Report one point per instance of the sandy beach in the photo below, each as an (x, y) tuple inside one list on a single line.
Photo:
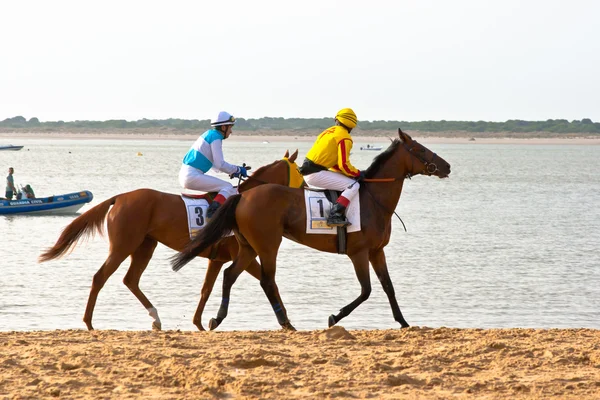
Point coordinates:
[(8, 137), (335, 363)]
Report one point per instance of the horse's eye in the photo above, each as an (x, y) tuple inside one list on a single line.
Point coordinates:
[(422, 150)]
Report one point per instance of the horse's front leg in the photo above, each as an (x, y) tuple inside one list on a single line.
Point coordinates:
[(139, 261), (379, 264), (361, 268)]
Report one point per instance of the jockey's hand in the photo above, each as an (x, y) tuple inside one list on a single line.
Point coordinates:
[(241, 172), (361, 176)]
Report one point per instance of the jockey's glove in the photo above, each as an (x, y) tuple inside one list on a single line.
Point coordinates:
[(241, 172), (361, 176)]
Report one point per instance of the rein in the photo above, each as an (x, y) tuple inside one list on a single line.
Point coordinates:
[(383, 207), (381, 179), (289, 184), (251, 177)]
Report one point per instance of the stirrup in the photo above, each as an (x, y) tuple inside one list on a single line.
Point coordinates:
[(337, 220), (214, 206)]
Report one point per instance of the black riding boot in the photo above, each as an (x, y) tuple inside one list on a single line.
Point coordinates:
[(212, 209), (337, 217)]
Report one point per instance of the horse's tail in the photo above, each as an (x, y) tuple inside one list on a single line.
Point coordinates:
[(222, 222), (85, 225)]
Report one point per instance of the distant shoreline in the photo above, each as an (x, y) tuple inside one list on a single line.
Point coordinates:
[(12, 137)]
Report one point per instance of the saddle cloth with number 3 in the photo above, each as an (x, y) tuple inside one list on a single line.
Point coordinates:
[(318, 208), (196, 213)]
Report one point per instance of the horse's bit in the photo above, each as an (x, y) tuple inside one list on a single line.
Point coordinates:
[(430, 166)]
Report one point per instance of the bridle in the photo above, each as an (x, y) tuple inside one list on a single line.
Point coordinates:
[(430, 167)]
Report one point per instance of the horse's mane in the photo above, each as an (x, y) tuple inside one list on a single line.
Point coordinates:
[(260, 169), (382, 158)]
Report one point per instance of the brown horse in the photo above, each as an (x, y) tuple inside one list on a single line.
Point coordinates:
[(262, 216), (142, 218)]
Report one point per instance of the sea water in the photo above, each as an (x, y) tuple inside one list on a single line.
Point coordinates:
[(511, 239)]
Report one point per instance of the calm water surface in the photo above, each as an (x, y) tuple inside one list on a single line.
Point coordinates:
[(510, 240)]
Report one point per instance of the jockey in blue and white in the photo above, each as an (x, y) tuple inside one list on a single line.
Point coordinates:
[(207, 153)]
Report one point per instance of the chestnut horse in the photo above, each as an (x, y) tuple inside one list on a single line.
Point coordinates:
[(142, 218), (262, 216)]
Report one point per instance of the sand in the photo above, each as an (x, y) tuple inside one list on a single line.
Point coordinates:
[(415, 363)]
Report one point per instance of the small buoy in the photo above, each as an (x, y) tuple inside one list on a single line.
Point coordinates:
[(139, 154)]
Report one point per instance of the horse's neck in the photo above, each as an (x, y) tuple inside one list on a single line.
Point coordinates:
[(387, 195), (384, 196)]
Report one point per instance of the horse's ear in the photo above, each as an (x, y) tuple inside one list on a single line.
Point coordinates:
[(404, 136), (293, 157), (287, 154)]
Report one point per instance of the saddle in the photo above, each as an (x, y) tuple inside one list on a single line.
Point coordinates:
[(206, 196)]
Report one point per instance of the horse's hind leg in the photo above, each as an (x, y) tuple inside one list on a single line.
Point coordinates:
[(245, 256), (212, 272), (361, 268), (139, 261), (268, 263), (115, 258), (379, 264)]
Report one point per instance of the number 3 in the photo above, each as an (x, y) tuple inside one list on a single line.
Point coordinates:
[(200, 217)]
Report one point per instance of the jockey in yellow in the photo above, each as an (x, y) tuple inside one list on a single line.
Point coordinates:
[(327, 165)]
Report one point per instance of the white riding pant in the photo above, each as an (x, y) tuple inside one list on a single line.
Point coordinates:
[(194, 179), (334, 181)]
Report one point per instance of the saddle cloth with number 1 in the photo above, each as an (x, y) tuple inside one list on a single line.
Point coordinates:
[(318, 208)]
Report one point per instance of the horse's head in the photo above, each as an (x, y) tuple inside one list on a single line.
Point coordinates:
[(422, 160), (281, 172)]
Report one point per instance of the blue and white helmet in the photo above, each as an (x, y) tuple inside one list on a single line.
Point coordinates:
[(224, 118)]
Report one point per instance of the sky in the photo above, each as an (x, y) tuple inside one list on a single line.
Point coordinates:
[(388, 60)]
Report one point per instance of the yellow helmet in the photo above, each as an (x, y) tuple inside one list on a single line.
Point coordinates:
[(347, 117)]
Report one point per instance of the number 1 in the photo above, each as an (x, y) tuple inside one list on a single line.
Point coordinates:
[(320, 202)]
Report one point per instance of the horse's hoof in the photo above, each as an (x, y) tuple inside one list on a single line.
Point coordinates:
[(213, 324), (331, 320), (404, 326), (288, 326), (200, 327), (156, 326)]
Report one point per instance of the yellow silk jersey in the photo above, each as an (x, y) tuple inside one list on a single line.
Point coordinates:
[(332, 150)]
